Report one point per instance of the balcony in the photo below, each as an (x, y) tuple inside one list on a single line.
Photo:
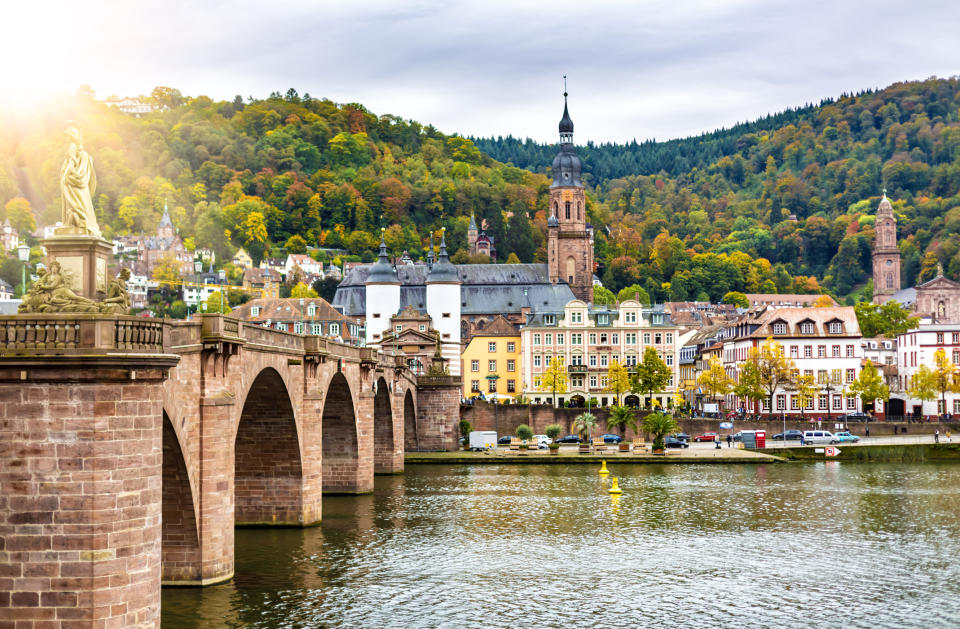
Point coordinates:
[(576, 369)]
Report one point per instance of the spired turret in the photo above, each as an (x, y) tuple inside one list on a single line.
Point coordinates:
[(886, 255), (443, 306), (383, 295)]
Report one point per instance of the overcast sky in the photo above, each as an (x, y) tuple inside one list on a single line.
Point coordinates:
[(641, 69)]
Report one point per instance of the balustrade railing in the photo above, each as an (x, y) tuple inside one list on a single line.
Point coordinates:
[(67, 333)]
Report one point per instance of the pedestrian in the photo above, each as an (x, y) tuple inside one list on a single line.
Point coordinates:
[(868, 431), (947, 432), (729, 441), (716, 440), (936, 436)]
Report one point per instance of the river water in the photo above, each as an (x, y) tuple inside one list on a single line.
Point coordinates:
[(779, 545)]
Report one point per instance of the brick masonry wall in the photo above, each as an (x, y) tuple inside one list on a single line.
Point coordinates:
[(385, 446), (341, 448), (81, 504), (438, 418), (180, 538)]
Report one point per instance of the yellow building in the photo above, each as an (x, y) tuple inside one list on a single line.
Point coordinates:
[(242, 259), (491, 361)]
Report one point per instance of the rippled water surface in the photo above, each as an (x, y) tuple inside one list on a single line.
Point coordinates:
[(829, 544)]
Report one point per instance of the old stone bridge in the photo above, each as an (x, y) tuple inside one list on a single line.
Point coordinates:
[(131, 448)]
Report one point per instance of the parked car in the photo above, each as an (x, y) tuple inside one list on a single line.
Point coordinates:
[(673, 442), (790, 435), (819, 436), (682, 436), (609, 438), (846, 436), (569, 439), (857, 417), (707, 436), (504, 441), (542, 439)]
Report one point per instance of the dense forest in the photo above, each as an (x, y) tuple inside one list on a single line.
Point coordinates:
[(797, 189), (783, 204)]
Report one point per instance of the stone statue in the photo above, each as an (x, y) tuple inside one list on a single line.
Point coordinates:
[(117, 301), (50, 293), (78, 184)]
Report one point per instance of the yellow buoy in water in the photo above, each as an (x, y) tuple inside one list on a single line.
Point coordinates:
[(603, 468), (614, 487)]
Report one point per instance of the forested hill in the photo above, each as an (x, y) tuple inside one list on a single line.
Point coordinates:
[(798, 188)]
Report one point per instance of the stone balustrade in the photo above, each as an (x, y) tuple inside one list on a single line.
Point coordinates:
[(78, 333)]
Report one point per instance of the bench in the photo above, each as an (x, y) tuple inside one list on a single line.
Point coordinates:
[(599, 445)]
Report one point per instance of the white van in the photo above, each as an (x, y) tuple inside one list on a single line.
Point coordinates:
[(483, 439), (819, 436)]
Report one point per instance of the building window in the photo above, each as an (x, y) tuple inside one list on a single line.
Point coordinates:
[(511, 386), (849, 351), (254, 311), (491, 386), (536, 339), (630, 338), (851, 375), (669, 338), (511, 347), (547, 359), (576, 359), (423, 327), (603, 360), (397, 328), (956, 407), (615, 338), (779, 328), (559, 339), (806, 327), (593, 382), (631, 360), (837, 403), (956, 357), (445, 315), (781, 402), (592, 360), (316, 329), (836, 327), (836, 351), (669, 360), (822, 402), (646, 338), (794, 403), (536, 360), (657, 339), (851, 403), (548, 339), (576, 317), (822, 376), (602, 319), (956, 338), (576, 339), (939, 338), (511, 365), (298, 327), (603, 381), (549, 319), (475, 365), (593, 339), (821, 351), (311, 310), (334, 329), (631, 317), (492, 347), (794, 353), (537, 382), (567, 209), (491, 365), (808, 351), (475, 386)]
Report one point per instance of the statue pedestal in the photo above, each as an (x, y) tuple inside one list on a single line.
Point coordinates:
[(83, 257)]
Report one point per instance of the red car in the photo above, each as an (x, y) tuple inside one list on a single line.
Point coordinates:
[(707, 436)]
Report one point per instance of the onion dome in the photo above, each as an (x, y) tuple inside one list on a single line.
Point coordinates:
[(382, 271), (552, 221)]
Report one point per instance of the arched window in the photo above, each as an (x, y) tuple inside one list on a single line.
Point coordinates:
[(889, 280), (571, 270), (579, 211), (568, 209), (556, 209)]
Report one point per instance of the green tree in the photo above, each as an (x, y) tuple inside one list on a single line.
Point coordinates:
[(301, 290), (519, 237), (659, 425), (635, 292), (584, 423), (621, 418), (805, 389), (167, 270), (923, 385), (945, 376), (602, 296), (20, 215), (618, 380), (296, 244), (255, 236), (213, 303), (524, 432), (736, 299), (554, 378), (652, 375), (749, 385), (715, 381), (888, 319), (774, 370), (869, 385)]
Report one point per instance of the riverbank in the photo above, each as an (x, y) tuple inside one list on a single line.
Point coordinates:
[(876, 453), (569, 455)]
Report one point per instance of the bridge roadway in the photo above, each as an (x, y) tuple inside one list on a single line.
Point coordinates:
[(131, 448)]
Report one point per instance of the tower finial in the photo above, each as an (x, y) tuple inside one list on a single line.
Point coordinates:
[(564, 88), (884, 192)]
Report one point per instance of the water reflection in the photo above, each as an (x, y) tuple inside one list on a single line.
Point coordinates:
[(711, 545)]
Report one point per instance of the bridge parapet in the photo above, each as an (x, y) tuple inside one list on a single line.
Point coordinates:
[(60, 334)]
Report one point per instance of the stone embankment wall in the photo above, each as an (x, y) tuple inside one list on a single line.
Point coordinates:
[(504, 419), (885, 453)]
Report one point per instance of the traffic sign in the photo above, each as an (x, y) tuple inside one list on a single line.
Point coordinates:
[(832, 451)]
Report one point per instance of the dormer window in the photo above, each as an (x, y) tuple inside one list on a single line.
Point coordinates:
[(576, 317), (806, 327), (779, 327), (311, 310), (254, 311), (549, 319), (603, 319), (836, 327)]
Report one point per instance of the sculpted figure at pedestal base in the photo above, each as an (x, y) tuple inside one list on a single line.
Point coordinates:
[(78, 184), (117, 301), (51, 294)]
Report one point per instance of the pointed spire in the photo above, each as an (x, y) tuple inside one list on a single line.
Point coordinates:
[(443, 270), (382, 271), (473, 222), (443, 245), (382, 257), (430, 254)]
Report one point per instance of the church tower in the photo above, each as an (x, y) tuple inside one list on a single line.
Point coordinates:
[(569, 241), (886, 256)]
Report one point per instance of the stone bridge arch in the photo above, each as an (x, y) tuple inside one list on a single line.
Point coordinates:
[(343, 468), (180, 535), (267, 453), (411, 438)]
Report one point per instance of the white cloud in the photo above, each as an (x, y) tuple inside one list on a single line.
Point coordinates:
[(637, 69)]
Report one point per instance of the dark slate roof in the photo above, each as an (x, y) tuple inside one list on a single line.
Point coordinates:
[(442, 270), (485, 288), (566, 123), (382, 271)]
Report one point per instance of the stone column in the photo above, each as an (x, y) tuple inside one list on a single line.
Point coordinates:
[(438, 412), (80, 470)]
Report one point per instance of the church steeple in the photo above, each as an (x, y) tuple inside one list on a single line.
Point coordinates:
[(886, 255), (569, 237)]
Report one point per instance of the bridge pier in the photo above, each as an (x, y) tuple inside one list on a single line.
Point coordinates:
[(81, 444)]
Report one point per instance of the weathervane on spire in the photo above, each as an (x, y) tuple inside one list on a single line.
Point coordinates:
[(564, 88)]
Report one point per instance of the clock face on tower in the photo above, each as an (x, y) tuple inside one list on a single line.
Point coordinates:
[(889, 262)]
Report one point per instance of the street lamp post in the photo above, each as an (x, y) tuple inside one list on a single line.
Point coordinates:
[(23, 252), (221, 276), (197, 267)]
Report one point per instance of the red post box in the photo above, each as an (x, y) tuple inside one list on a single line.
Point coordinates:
[(761, 438)]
